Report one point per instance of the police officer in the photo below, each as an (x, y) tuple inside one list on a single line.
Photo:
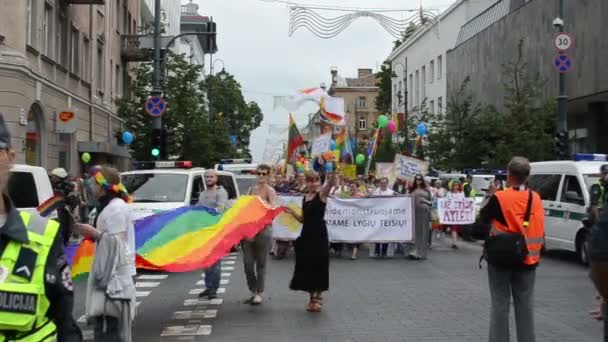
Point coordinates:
[(467, 187), (36, 297), (599, 193)]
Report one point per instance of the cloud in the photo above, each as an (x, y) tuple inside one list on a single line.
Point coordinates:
[(254, 44)]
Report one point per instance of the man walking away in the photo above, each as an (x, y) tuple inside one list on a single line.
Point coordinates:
[(517, 218), (214, 197), (255, 251)]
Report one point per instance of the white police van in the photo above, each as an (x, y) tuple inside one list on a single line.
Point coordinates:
[(564, 188), (164, 185), (28, 187), (243, 169)]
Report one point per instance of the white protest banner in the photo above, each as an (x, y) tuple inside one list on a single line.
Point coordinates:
[(456, 211), (321, 144), (376, 219), (284, 226), (407, 168)]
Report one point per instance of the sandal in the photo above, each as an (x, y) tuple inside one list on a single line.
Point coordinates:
[(314, 305)]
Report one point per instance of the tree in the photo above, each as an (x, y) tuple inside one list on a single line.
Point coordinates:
[(384, 98)]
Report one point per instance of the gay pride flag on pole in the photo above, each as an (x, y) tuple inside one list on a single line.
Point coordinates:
[(189, 238)]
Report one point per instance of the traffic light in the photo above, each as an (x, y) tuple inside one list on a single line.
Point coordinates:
[(561, 144), (210, 45), (155, 147)]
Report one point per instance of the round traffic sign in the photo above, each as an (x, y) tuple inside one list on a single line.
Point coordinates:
[(562, 63), (155, 106), (563, 41)]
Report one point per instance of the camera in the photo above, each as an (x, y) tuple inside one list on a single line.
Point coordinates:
[(558, 22), (67, 189)]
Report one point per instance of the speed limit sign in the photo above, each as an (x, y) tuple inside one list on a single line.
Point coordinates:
[(563, 41)]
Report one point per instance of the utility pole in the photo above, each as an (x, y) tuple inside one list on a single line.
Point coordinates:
[(405, 116), (156, 89), (562, 99)]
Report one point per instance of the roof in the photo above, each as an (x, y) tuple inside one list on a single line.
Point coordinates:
[(484, 20)]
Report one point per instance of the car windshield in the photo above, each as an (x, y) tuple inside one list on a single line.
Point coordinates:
[(591, 178), (156, 187), (245, 183)]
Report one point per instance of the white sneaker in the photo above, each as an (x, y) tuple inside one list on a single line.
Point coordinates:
[(257, 300)]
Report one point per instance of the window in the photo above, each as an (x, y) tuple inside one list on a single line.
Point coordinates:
[(361, 102), (32, 22), (111, 84), (227, 183), (86, 59), (417, 89), (47, 30), (423, 82), (245, 183), (545, 185), (395, 96), (439, 67), (117, 79), (197, 187), (22, 190), (125, 19), (156, 188), (572, 192), (439, 105), (362, 123), (399, 99), (432, 71), (100, 78), (128, 24), (75, 51), (411, 91), (63, 41), (432, 107), (117, 16), (64, 150)]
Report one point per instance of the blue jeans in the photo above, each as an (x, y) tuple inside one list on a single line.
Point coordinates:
[(213, 276)]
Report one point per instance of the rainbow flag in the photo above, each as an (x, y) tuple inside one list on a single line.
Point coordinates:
[(190, 238), (81, 259), (332, 110), (51, 204)]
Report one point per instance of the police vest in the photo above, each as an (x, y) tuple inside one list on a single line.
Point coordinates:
[(513, 204), (23, 301), (473, 192)]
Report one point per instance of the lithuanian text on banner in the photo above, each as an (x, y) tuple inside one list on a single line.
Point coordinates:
[(375, 219), (457, 211)]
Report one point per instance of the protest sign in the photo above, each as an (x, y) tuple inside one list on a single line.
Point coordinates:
[(406, 168), (386, 170), (348, 170), (456, 211), (376, 219), (321, 144)]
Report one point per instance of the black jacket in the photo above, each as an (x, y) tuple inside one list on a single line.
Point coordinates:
[(58, 278)]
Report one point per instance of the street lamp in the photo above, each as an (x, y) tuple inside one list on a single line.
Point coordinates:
[(404, 66), (221, 76)]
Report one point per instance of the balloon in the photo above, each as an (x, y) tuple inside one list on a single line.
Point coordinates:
[(86, 157), (127, 137), (332, 145), (360, 159), (392, 126), (382, 121), (421, 129), (329, 167)]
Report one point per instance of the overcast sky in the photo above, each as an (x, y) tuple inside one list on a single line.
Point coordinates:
[(255, 46)]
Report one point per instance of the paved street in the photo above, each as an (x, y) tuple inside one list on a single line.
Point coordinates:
[(443, 299)]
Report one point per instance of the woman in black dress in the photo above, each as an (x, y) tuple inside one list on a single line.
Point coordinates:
[(311, 273)]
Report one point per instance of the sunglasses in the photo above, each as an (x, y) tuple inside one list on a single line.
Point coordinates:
[(418, 179), (262, 173)]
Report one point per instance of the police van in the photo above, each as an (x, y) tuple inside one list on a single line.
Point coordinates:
[(564, 187), (28, 187), (244, 171), (165, 185)]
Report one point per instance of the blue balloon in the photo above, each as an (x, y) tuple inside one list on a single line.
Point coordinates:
[(329, 166), (421, 129), (127, 137), (332, 145)]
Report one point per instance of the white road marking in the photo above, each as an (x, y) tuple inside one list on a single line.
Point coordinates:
[(152, 276), (82, 319), (228, 262), (195, 314), (87, 335), (224, 274), (230, 257), (188, 330), (137, 304), (196, 301), (199, 291), (142, 293), (147, 284), (227, 268), (201, 282), (224, 281), (221, 290)]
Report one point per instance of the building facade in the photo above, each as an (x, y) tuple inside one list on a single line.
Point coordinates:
[(61, 70), (359, 95), (196, 47), (419, 63), (478, 57)]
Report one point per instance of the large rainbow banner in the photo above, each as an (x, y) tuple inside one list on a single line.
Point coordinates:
[(188, 238)]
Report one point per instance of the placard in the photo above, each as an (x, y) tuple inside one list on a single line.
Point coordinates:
[(456, 211), (284, 226), (406, 168), (321, 144)]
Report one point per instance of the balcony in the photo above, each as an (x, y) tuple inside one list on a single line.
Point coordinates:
[(85, 2), (132, 48)]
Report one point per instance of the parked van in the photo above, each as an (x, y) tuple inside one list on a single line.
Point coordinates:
[(564, 189), (162, 186), (28, 187)]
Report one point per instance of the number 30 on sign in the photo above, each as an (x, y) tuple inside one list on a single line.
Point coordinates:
[(563, 41)]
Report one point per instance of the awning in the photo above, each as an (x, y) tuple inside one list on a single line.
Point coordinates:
[(103, 147)]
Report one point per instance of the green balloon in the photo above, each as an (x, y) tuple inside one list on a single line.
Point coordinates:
[(360, 159), (86, 157), (382, 121)]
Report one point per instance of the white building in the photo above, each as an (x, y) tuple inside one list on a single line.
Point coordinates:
[(420, 61)]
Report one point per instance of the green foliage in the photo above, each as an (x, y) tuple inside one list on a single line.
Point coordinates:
[(192, 132), (384, 76), (409, 31), (471, 135)]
